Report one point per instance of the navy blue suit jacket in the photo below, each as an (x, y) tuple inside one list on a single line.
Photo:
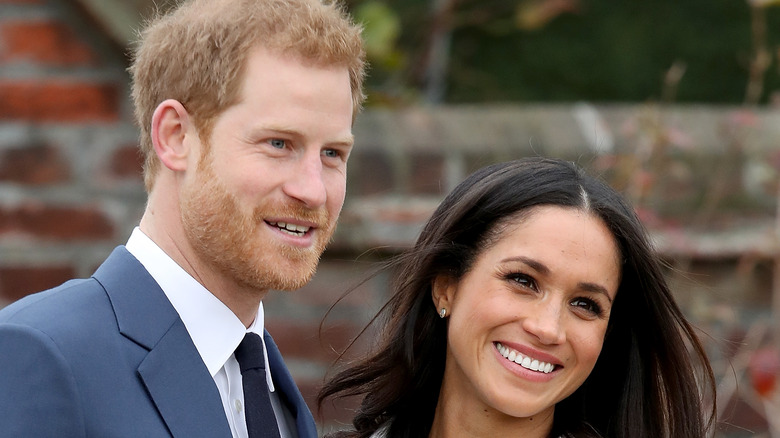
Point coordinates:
[(109, 357)]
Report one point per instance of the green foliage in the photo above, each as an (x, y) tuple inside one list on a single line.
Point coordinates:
[(570, 50), (381, 29)]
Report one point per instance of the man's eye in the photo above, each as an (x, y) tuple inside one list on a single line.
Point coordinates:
[(277, 143), (331, 153)]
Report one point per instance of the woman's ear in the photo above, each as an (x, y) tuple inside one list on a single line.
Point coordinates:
[(443, 294), (170, 126)]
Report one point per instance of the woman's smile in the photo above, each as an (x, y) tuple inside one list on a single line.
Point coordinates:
[(524, 361)]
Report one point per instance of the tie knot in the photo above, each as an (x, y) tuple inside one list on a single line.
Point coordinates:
[(249, 353)]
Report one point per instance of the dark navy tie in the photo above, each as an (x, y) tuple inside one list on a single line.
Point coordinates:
[(260, 418)]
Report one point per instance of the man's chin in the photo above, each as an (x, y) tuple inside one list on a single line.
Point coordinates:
[(298, 279), (291, 276)]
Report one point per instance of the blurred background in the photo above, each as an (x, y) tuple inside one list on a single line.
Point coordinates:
[(673, 103)]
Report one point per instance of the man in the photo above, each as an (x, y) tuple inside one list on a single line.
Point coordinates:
[(245, 109)]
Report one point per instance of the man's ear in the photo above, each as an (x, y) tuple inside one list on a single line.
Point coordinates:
[(443, 293), (170, 126)]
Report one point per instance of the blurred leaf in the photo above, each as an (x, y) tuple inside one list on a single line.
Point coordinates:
[(764, 3), (381, 30), (535, 14)]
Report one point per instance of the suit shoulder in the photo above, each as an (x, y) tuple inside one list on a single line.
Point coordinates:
[(70, 301)]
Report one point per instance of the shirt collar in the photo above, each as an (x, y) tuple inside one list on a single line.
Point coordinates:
[(215, 330)]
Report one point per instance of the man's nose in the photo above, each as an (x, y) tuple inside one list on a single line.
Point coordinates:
[(306, 182)]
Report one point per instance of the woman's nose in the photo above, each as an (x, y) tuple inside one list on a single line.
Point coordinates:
[(545, 323)]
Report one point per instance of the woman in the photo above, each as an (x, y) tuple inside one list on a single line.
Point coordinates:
[(532, 305)]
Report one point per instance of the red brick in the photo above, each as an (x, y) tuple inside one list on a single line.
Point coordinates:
[(303, 339), (739, 415), (44, 42), (309, 391), (35, 165), (17, 282), (334, 412), (333, 279), (59, 101), (127, 162), (427, 173), (56, 223), (370, 172)]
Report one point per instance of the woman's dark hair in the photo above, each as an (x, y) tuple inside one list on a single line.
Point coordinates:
[(651, 375)]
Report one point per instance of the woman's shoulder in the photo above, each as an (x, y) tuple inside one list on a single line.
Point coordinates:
[(382, 432)]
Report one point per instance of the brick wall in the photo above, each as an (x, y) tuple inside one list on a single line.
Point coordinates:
[(69, 170), (70, 186)]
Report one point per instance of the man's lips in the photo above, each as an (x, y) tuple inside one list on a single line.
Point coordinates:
[(290, 228)]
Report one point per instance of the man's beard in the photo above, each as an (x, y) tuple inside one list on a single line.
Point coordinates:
[(233, 242)]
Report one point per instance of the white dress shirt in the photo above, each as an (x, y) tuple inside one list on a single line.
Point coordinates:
[(215, 330)]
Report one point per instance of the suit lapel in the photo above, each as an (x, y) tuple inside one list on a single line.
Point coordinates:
[(173, 372), (185, 394), (289, 392)]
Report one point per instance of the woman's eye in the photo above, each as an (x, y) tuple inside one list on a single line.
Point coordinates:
[(277, 143), (588, 305), (523, 280)]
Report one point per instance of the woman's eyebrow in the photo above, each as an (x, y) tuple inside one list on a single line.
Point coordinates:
[(536, 265), (595, 288), (543, 269)]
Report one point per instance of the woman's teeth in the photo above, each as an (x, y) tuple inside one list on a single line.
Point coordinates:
[(524, 361)]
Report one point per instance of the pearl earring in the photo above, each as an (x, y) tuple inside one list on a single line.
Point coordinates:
[(442, 312)]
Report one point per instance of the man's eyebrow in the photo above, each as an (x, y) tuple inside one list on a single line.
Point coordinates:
[(345, 141)]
